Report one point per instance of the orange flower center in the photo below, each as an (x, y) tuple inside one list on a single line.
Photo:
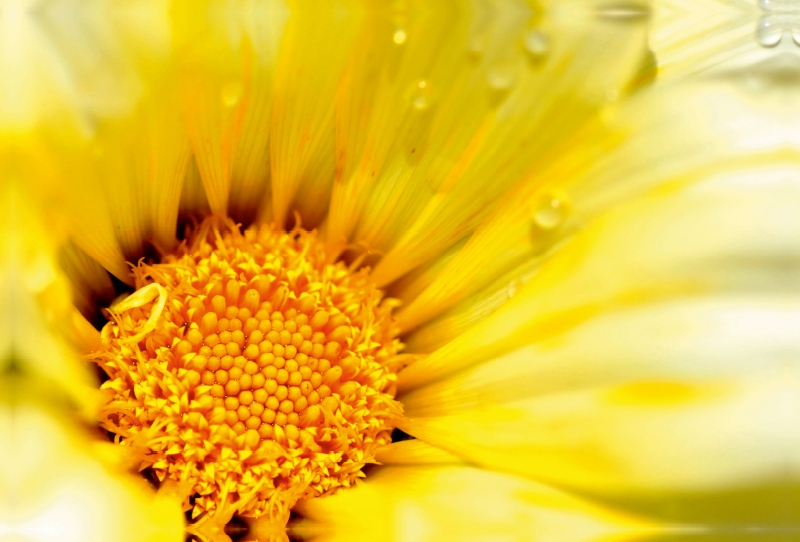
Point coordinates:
[(251, 370)]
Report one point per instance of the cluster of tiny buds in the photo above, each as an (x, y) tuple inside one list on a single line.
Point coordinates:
[(265, 369)]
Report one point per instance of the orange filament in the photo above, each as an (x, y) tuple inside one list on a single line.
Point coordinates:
[(251, 371)]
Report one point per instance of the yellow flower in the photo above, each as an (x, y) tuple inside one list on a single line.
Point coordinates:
[(350, 224)]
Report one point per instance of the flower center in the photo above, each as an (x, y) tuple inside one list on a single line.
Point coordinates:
[(251, 370)]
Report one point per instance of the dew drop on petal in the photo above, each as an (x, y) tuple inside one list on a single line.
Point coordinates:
[(500, 81), (769, 31), (421, 98), (232, 93), (399, 36), (536, 44), (475, 48), (513, 287), (550, 212), (623, 12), (779, 5)]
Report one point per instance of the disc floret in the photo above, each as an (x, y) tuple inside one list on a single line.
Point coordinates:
[(251, 370)]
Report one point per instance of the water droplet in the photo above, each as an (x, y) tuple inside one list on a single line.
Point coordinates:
[(513, 287), (772, 27), (399, 36), (421, 95), (550, 212), (500, 81), (769, 31), (475, 48), (779, 5), (623, 13), (232, 93), (536, 44)]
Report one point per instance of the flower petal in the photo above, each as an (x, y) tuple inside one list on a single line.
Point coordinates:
[(660, 138), (541, 101), (644, 437), (63, 491), (414, 452), (227, 62), (646, 250), (460, 503), (310, 65), (692, 340), (684, 395)]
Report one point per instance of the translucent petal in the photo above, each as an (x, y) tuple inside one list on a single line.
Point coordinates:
[(35, 305), (692, 340), (113, 169), (660, 138), (409, 452), (684, 395), (643, 437), (62, 490), (460, 503), (530, 107), (646, 250)]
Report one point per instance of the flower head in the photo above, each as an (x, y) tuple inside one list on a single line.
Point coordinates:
[(399, 271), (253, 369)]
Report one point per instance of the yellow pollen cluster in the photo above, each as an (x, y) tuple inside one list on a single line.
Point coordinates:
[(251, 370)]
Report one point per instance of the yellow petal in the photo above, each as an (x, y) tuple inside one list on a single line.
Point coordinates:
[(683, 395), (661, 138), (35, 306), (63, 492), (722, 338), (310, 64), (641, 438), (408, 75), (646, 250), (534, 105), (690, 37), (90, 282), (422, 504), (409, 452), (226, 61), (114, 178)]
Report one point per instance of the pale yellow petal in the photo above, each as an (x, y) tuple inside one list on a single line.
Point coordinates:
[(644, 438), (691, 37), (640, 252), (693, 394), (690, 339), (419, 504), (409, 75), (35, 306), (660, 138), (114, 178), (66, 184), (533, 105), (63, 492)]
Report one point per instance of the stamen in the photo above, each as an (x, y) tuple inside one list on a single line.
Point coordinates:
[(251, 371)]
